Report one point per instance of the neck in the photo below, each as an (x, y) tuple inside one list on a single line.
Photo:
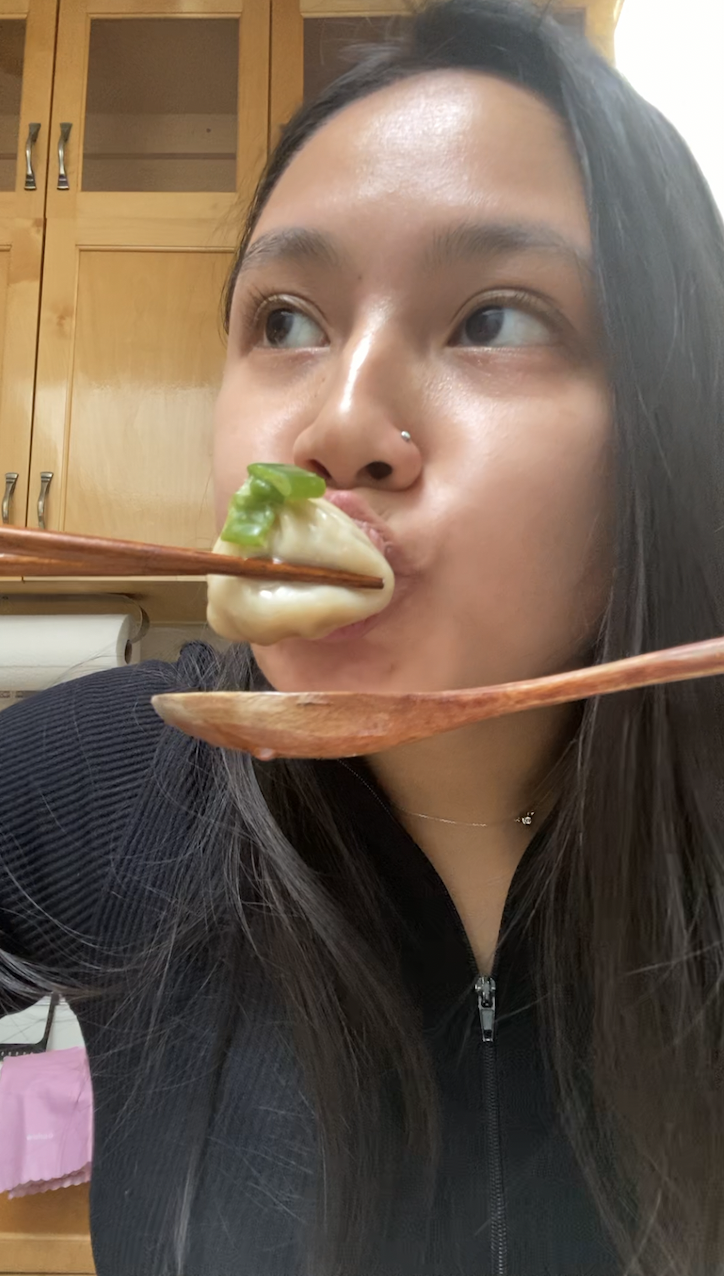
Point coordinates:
[(488, 773)]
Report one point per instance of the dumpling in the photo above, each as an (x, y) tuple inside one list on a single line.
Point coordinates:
[(303, 531)]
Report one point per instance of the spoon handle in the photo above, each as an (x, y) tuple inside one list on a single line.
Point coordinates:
[(674, 664)]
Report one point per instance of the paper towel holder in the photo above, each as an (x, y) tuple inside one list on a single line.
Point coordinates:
[(140, 616), (143, 623)]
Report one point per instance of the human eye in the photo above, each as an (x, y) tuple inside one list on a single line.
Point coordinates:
[(284, 326), (501, 323)]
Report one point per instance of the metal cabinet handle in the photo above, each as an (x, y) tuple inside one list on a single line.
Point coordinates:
[(45, 477), (10, 480), (30, 183), (63, 184)]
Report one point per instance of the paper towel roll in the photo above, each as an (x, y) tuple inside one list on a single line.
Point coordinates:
[(38, 651)]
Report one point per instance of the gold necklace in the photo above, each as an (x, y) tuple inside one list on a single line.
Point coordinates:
[(518, 819)]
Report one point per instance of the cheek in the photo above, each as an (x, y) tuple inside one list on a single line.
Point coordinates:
[(229, 469), (534, 529), (246, 429)]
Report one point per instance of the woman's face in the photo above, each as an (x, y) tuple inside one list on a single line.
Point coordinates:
[(422, 266)]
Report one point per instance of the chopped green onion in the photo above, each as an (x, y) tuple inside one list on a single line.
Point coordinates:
[(260, 492), (253, 509), (292, 482), (250, 527)]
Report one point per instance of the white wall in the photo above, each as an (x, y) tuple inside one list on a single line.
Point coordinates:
[(672, 51)]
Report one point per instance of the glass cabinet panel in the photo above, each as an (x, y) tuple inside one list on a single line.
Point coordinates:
[(12, 48), (329, 47), (161, 109)]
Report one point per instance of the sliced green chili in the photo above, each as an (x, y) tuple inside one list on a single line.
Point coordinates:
[(254, 508), (292, 482)]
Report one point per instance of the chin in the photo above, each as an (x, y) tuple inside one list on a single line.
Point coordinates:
[(352, 665)]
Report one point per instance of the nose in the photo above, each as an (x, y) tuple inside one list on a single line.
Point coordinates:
[(363, 434)]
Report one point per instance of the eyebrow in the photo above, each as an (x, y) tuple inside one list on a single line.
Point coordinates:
[(458, 243), (494, 239), (293, 244)]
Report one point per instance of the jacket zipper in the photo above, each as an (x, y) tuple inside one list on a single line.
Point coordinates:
[(485, 989)]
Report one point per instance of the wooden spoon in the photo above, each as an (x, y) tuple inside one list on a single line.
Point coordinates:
[(339, 724)]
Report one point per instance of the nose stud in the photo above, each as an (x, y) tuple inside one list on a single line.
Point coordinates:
[(405, 434)]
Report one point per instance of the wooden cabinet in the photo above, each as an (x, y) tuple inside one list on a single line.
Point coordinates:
[(46, 1235), (159, 130), (27, 50), (166, 123)]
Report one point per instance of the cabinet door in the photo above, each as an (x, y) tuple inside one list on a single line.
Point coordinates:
[(167, 104), (309, 43), (27, 38)]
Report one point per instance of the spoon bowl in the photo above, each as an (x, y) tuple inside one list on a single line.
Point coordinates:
[(336, 724)]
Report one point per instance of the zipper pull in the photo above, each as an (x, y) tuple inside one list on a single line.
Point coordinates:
[(485, 988)]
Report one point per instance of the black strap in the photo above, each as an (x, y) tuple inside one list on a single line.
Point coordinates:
[(13, 1048)]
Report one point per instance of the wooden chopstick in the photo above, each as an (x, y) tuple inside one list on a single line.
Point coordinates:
[(24, 551)]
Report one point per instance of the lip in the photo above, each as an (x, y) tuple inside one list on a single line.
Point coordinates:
[(379, 532), (383, 538)]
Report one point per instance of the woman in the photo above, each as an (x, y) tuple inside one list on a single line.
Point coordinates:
[(456, 1011)]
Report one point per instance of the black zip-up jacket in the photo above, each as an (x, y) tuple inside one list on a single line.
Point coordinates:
[(97, 803)]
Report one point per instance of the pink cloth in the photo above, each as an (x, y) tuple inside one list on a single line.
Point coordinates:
[(46, 1121)]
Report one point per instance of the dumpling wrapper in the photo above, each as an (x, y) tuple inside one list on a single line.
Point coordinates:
[(264, 612)]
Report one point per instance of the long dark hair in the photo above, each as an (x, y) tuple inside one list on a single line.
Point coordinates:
[(628, 893), (635, 859)]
